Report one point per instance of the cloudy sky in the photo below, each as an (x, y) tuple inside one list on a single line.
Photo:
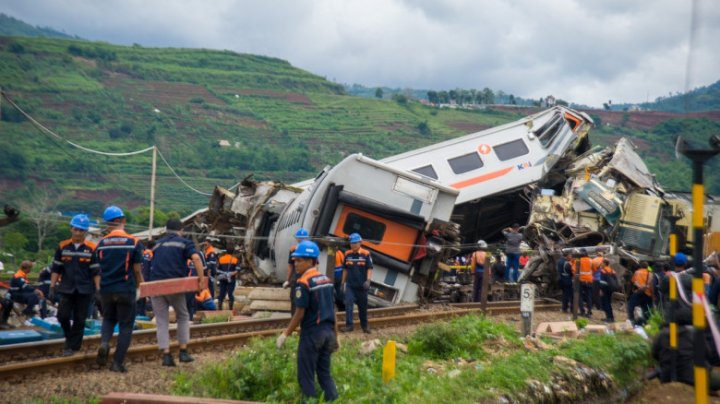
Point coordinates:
[(582, 51)]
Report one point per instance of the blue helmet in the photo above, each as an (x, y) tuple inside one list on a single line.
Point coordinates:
[(680, 259), (306, 249), (112, 213), (355, 238), (302, 233), (81, 222)]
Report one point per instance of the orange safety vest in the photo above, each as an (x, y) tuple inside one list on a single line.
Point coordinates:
[(641, 279), (586, 271), (607, 270), (21, 274), (203, 296)]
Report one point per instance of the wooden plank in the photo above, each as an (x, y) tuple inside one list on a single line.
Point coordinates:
[(279, 294), (270, 305), (170, 286)]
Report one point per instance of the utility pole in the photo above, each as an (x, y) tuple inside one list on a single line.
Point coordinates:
[(698, 158), (152, 193)]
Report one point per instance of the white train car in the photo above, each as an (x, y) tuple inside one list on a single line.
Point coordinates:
[(402, 216), (493, 164)]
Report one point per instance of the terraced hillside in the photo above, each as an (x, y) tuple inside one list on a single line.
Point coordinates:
[(279, 122)]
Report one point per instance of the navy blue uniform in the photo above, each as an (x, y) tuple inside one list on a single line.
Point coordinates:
[(141, 304), (227, 264), (170, 255), (74, 263), (211, 264), (314, 293), (565, 271), (357, 265), (22, 292), (117, 253)]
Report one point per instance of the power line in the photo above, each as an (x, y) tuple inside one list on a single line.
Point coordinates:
[(44, 129)]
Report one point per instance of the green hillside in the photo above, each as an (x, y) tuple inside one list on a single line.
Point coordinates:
[(282, 122), (706, 98)]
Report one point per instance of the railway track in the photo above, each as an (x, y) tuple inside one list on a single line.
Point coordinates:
[(20, 360)]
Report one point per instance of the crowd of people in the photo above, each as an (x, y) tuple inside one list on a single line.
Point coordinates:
[(105, 278)]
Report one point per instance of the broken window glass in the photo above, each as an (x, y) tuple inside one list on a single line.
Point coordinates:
[(549, 131)]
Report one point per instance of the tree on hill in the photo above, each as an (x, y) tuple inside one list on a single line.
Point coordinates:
[(40, 208), (379, 93)]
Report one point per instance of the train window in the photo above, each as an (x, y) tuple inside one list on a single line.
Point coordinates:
[(510, 150), (465, 163), (549, 131), (427, 171), (368, 228)]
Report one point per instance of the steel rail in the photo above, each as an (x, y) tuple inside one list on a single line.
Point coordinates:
[(54, 348), (141, 352)]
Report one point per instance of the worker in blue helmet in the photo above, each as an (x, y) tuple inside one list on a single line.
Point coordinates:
[(75, 277), (357, 273), (315, 313), (120, 258), (291, 281)]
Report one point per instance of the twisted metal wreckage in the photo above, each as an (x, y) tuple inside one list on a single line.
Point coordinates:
[(418, 209)]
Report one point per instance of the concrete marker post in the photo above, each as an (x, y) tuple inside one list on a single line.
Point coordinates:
[(527, 306)]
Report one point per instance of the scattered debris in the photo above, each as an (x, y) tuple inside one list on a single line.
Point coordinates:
[(557, 329), (369, 347)]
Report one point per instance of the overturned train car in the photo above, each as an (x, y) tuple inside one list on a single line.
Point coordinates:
[(404, 219)]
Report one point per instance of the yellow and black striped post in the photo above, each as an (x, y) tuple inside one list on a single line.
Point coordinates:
[(698, 288), (671, 314), (698, 158)]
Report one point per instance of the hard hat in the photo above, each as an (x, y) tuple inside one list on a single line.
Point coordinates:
[(302, 233), (81, 222), (355, 238), (306, 249), (112, 213), (680, 259), (482, 244)]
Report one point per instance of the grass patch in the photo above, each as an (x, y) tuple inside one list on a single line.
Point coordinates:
[(486, 359), (218, 318)]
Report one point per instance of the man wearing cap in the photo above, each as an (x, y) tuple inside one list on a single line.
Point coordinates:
[(291, 281), (120, 258), (315, 313), (79, 279), (356, 277), (513, 238), (170, 261), (477, 265), (22, 292)]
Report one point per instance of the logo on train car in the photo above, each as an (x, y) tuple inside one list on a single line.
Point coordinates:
[(524, 165), (484, 149)]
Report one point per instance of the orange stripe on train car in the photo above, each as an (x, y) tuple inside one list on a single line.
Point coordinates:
[(481, 178), (397, 242)]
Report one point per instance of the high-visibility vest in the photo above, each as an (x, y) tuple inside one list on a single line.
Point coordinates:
[(586, 272)]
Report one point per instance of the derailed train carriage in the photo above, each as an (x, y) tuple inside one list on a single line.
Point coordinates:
[(415, 209), (402, 216)]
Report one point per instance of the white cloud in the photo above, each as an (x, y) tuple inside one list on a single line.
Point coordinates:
[(583, 51)]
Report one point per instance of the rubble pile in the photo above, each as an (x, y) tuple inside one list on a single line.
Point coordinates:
[(609, 202)]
